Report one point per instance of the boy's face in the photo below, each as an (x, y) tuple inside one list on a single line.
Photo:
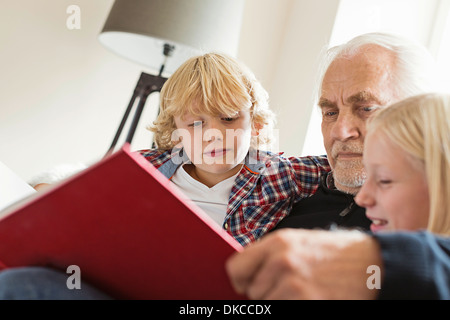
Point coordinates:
[(216, 145)]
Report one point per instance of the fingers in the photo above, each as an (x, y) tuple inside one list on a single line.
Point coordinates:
[(265, 279), (304, 264), (288, 288), (256, 270), (242, 266)]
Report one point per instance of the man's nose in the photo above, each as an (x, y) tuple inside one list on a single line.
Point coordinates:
[(346, 127)]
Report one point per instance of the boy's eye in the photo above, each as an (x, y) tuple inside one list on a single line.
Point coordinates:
[(197, 123), (228, 119)]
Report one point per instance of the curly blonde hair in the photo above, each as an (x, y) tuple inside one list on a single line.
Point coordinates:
[(220, 85)]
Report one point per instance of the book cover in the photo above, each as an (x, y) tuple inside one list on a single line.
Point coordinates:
[(127, 228)]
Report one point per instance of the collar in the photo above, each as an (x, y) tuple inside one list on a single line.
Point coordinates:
[(327, 184), (255, 161), (329, 181), (177, 158)]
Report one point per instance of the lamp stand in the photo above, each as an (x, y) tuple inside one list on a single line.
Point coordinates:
[(146, 85)]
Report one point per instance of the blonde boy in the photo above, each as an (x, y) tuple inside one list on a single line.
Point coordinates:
[(213, 122)]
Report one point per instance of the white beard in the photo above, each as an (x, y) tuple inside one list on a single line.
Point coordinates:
[(350, 174)]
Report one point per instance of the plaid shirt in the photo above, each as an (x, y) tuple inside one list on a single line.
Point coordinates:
[(264, 190)]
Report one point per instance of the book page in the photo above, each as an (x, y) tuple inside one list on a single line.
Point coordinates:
[(12, 187)]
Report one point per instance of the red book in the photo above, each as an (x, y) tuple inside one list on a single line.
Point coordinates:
[(127, 228)]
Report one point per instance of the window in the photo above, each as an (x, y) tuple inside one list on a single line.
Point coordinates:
[(427, 21)]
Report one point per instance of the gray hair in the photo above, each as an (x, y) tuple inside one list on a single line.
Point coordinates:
[(415, 70)]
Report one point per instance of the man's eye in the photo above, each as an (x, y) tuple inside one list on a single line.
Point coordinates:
[(329, 113), (369, 108)]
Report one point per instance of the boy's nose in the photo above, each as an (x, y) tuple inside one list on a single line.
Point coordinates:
[(212, 134)]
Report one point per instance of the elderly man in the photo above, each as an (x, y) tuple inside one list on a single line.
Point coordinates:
[(357, 78)]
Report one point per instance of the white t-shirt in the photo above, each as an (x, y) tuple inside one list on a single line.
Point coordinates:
[(213, 201)]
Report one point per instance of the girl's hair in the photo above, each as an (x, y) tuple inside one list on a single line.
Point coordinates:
[(215, 84), (420, 125), (414, 71)]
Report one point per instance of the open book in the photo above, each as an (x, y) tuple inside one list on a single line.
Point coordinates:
[(12, 187), (127, 228)]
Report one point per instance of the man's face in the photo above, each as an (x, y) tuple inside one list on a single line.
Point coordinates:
[(352, 90)]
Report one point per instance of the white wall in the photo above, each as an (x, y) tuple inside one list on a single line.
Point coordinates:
[(288, 36), (414, 19), (63, 94)]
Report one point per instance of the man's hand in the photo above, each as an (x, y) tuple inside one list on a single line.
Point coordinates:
[(306, 264)]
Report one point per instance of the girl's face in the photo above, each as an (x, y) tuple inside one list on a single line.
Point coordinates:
[(395, 192), (215, 145)]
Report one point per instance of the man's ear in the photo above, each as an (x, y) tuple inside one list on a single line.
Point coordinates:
[(255, 128)]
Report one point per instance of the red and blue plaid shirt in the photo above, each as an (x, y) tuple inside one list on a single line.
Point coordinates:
[(264, 190)]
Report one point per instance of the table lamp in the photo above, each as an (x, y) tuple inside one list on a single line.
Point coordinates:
[(162, 34)]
